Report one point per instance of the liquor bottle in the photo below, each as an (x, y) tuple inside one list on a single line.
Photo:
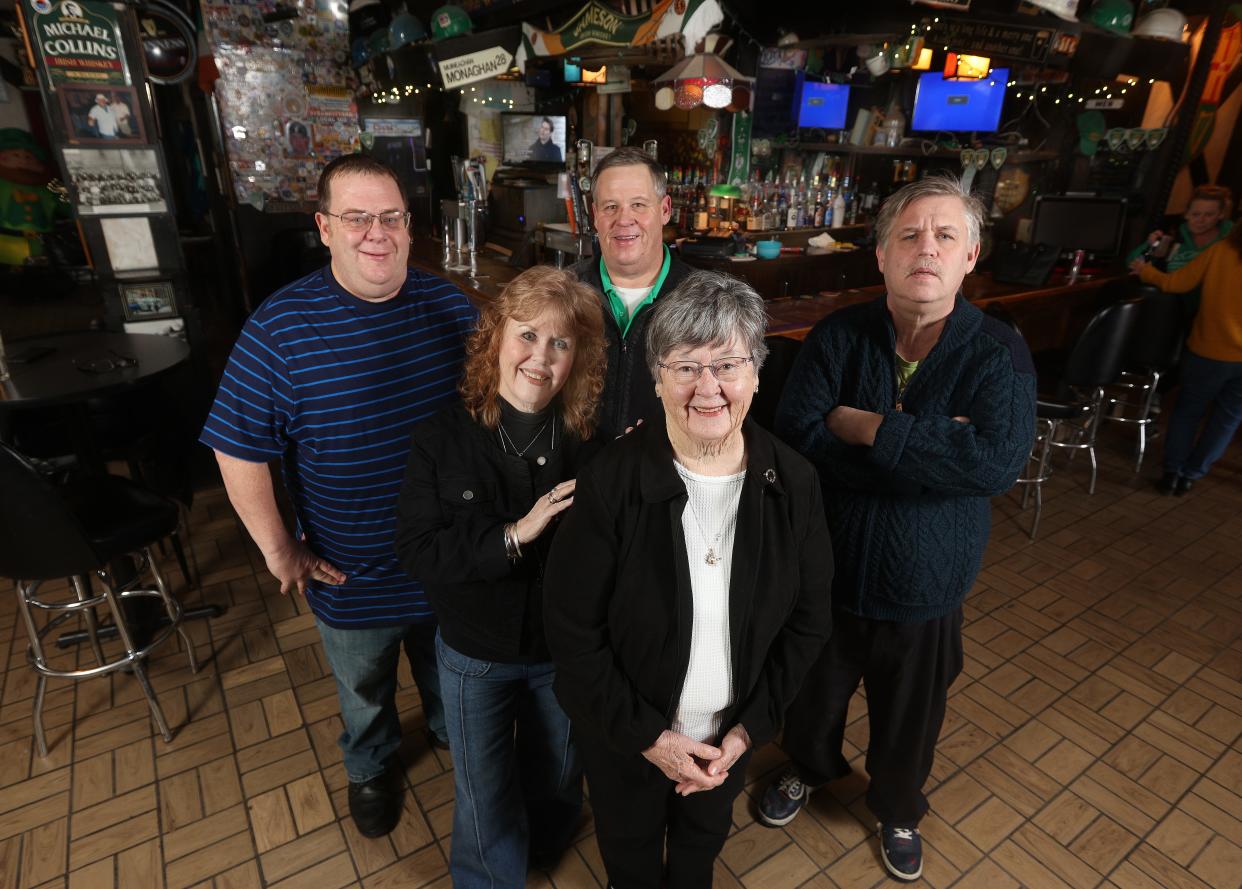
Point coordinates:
[(847, 192), (819, 210), (838, 211), (791, 217), (782, 207)]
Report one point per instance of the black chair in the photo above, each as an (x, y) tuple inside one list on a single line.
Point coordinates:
[(1154, 347), (1076, 401), (782, 351), (101, 527)]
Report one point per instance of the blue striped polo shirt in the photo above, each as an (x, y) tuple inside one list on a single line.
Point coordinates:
[(333, 384)]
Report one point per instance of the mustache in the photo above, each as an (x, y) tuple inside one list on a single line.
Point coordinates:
[(932, 267)]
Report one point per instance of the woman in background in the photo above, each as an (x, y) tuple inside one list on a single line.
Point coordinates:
[(1211, 368)]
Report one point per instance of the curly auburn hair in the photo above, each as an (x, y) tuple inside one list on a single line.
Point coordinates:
[(531, 293)]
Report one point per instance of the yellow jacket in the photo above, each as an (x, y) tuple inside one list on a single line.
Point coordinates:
[(1217, 330)]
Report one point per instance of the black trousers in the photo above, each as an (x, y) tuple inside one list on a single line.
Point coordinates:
[(636, 810), (906, 669)]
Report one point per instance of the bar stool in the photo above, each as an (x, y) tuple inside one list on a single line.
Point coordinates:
[(1154, 347), (1093, 363), (77, 531)]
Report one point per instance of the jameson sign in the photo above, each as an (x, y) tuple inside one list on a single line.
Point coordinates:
[(481, 65), (78, 40), (597, 23)]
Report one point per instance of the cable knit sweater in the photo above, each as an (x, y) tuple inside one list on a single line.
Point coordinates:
[(910, 515)]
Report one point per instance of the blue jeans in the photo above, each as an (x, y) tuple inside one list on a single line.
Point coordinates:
[(364, 664), (1206, 385), (516, 773)]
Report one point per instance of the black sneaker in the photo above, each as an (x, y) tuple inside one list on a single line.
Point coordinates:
[(902, 848), (375, 805), (1168, 484), (1183, 486), (783, 799)]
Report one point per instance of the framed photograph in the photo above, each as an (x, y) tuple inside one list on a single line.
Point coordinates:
[(148, 301), (104, 115), (116, 181)]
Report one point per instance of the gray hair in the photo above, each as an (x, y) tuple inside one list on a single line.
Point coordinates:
[(705, 309), (936, 186), (629, 156)]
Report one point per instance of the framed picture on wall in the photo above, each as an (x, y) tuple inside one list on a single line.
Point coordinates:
[(148, 301), (116, 181), (103, 115)]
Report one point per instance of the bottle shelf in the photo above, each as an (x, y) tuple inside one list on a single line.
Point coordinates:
[(915, 150)]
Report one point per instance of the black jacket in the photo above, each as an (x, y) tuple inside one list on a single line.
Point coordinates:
[(460, 490), (629, 391), (618, 602), (910, 515)]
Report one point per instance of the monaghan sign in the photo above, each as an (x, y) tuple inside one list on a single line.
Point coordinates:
[(78, 40), (461, 70)]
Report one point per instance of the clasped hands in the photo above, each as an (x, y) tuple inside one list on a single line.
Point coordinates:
[(695, 766)]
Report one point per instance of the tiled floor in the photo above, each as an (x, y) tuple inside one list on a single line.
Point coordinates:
[(1092, 741)]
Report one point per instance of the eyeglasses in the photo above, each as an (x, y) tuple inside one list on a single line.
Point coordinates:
[(726, 370), (360, 220), (106, 365)]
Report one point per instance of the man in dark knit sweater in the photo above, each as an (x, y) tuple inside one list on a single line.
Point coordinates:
[(915, 408)]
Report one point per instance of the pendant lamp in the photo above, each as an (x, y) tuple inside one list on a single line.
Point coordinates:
[(703, 78)]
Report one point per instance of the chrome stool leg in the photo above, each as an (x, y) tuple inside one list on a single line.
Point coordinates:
[(138, 666), (172, 609), (82, 589)]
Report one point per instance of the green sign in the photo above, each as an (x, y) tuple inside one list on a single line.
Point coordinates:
[(79, 41), (739, 164)]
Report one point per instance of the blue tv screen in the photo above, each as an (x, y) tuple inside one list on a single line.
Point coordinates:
[(823, 105), (959, 105)]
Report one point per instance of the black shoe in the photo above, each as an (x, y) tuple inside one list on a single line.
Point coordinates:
[(1168, 483), (1183, 486), (375, 805)]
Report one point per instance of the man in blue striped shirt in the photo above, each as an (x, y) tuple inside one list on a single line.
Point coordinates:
[(329, 375)]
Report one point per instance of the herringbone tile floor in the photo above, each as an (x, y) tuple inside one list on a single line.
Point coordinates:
[(1093, 739)]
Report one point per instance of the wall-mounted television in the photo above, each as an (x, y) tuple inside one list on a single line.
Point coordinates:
[(533, 138), (823, 105), (959, 106)]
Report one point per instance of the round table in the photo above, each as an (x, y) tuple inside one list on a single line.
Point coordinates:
[(83, 367), (74, 370)]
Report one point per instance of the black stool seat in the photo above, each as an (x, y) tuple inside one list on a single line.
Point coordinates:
[(117, 516)]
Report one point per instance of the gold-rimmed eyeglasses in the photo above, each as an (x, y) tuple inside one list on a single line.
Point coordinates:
[(726, 370), (360, 220)]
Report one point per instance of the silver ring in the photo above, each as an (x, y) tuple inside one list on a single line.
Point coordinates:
[(552, 498)]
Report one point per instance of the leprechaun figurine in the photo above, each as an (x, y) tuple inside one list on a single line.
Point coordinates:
[(28, 209)]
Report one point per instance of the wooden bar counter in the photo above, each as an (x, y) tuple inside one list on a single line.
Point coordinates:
[(1050, 316)]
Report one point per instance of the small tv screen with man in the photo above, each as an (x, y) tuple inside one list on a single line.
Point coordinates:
[(534, 139)]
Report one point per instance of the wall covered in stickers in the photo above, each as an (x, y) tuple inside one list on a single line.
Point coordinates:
[(285, 95)]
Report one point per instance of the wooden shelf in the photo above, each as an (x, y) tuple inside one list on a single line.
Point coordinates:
[(1019, 157)]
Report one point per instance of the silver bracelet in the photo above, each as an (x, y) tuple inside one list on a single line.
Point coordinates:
[(513, 547)]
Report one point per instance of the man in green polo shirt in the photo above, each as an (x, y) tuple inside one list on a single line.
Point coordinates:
[(630, 206)]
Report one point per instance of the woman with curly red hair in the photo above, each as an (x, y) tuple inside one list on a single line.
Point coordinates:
[(484, 486)]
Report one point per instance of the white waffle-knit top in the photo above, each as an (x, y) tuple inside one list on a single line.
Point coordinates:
[(709, 523)]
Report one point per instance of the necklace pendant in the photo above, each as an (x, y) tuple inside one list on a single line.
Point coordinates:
[(542, 461), (899, 405), (711, 558)]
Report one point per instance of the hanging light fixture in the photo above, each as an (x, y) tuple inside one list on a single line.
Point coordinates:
[(958, 66), (703, 78)]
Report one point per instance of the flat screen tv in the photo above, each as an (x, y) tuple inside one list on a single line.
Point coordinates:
[(533, 138), (823, 105), (1079, 222), (959, 106)]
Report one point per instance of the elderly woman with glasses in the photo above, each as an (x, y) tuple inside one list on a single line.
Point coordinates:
[(686, 594), (486, 482)]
